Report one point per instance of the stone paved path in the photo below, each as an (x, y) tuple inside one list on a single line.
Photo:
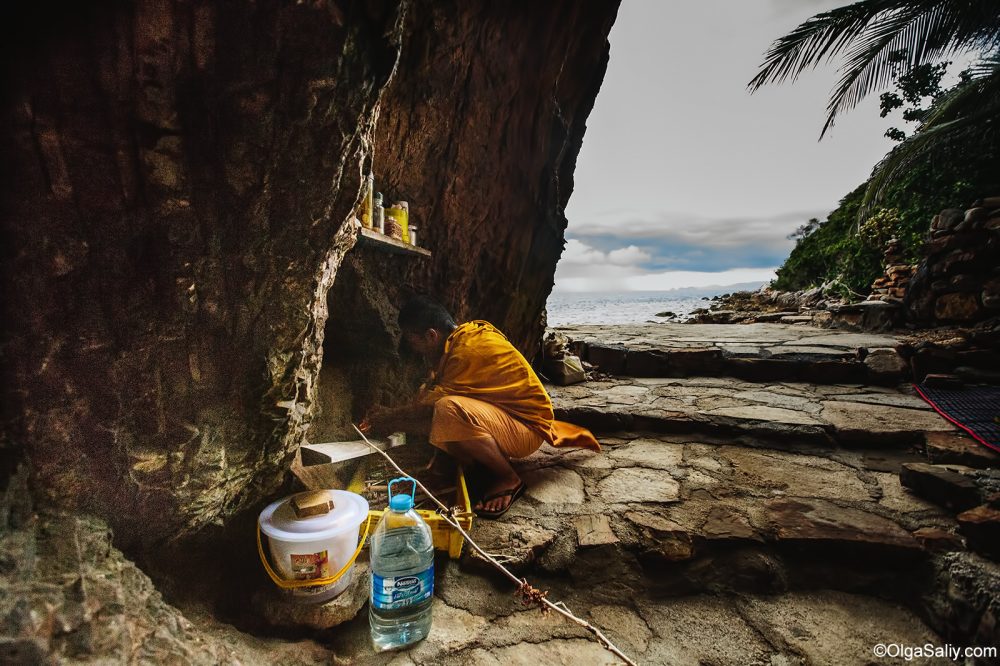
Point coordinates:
[(854, 415), (754, 352), (756, 340), (716, 520), (727, 521), (687, 550)]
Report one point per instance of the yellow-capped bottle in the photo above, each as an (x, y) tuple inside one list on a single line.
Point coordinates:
[(368, 208)]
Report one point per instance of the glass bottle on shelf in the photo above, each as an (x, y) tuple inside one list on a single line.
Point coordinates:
[(379, 214)]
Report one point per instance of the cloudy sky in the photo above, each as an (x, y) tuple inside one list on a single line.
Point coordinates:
[(684, 178)]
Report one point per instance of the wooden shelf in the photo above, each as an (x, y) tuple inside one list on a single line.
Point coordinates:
[(389, 244)]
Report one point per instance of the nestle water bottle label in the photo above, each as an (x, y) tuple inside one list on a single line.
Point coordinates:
[(396, 592)]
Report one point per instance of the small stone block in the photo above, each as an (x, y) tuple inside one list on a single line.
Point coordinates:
[(312, 503), (981, 526), (594, 531), (959, 449), (945, 485)]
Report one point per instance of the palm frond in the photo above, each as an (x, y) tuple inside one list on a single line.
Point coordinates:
[(969, 112), (872, 32), (922, 33), (817, 40)]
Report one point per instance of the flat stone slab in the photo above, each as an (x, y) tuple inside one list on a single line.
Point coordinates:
[(760, 336), (594, 530), (638, 485), (847, 416), (819, 521), (865, 416), (554, 485), (758, 352)]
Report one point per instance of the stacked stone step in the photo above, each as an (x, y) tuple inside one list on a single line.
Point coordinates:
[(959, 280), (891, 287)]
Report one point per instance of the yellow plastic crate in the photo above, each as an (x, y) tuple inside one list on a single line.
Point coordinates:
[(445, 536)]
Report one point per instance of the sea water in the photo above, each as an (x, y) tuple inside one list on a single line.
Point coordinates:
[(402, 580), (634, 307)]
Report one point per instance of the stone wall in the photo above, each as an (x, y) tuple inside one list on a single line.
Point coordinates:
[(959, 280), (184, 172)]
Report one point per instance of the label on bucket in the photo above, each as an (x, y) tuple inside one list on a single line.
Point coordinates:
[(395, 592), (310, 566)]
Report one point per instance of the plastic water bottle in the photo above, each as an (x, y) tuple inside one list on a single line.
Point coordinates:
[(402, 577)]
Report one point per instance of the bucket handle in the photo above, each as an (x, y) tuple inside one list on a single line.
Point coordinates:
[(404, 479), (315, 582)]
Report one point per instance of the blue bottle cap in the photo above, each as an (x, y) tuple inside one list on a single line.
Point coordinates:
[(401, 502)]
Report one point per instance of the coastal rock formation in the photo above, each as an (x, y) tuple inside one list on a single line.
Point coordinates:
[(185, 177), (959, 280)]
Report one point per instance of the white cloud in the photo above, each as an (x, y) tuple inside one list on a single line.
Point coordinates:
[(601, 280), (694, 229), (581, 261), (580, 253), (628, 256)]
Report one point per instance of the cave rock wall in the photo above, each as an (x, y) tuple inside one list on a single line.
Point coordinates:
[(184, 174)]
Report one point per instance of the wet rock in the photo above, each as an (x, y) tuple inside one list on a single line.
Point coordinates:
[(947, 485), (281, 610), (981, 526)]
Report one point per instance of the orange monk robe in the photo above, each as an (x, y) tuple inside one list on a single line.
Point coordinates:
[(478, 362)]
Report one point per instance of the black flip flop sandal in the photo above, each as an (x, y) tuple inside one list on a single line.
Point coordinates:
[(514, 494)]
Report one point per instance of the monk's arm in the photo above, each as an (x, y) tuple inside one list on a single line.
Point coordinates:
[(414, 418)]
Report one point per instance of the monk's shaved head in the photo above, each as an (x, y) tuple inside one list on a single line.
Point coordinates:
[(422, 313)]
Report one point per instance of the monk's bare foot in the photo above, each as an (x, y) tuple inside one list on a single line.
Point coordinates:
[(499, 495)]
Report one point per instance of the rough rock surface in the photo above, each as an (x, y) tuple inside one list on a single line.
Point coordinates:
[(853, 415), (186, 174), (68, 596), (753, 352), (189, 173)]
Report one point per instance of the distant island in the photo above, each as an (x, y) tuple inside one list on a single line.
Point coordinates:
[(712, 290)]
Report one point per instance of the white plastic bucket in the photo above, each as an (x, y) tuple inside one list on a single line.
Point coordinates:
[(314, 547)]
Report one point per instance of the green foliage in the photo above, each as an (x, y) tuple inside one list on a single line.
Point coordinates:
[(914, 87), (840, 251), (833, 253), (948, 161)]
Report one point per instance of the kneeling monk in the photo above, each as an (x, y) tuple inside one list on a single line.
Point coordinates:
[(485, 403)]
